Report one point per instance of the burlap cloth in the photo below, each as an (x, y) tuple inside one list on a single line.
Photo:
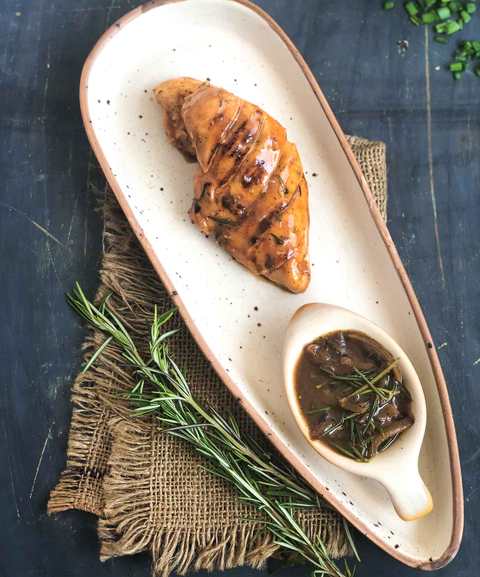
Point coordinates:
[(149, 490)]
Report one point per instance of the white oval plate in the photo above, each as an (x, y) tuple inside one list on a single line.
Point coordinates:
[(240, 320)]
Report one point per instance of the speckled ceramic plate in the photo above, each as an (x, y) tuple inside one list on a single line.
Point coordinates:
[(239, 320)]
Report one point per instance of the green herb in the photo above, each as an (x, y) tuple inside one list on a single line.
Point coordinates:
[(429, 17), (457, 66), (336, 426), (450, 27), (373, 411), (350, 378), (447, 18), (444, 13), (97, 353), (352, 454), (386, 444), (260, 478), (412, 8), (467, 52), (357, 423), (388, 5), (317, 411), (370, 383)]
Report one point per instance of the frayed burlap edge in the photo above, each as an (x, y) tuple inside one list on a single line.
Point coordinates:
[(98, 476), (181, 550), (132, 515)]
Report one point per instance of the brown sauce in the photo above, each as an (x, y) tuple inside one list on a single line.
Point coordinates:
[(351, 393)]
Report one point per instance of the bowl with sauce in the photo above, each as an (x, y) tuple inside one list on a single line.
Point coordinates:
[(358, 400)]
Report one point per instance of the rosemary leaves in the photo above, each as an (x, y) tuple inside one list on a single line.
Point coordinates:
[(259, 476), (351, 394)]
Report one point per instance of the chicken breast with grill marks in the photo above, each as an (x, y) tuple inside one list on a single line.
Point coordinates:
[(250, 193)]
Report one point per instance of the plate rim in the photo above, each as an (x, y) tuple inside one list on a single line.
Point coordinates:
[(441, 385)]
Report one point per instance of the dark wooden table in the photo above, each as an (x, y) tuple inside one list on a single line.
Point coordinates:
[(50, 236)]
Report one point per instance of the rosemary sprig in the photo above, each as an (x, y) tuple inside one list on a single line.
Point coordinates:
[(317, 411), (336, 426), (260, 478), (384, 446), (369, 385), (352, 377), (360, 426)]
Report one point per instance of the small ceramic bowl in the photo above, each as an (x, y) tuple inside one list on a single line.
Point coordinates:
[(396, 468)]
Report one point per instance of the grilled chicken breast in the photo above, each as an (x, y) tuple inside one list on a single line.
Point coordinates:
[(250, 192)]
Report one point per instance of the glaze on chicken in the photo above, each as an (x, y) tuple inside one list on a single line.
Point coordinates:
[(250, 192)]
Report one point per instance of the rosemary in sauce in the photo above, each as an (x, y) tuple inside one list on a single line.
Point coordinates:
[(351, 394)]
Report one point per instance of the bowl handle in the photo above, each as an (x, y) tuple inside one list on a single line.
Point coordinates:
[(410, 496)]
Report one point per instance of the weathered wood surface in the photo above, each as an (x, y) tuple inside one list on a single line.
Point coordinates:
[(50, 237)]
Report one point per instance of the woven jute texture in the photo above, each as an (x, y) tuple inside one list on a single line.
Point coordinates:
[(148, 489)]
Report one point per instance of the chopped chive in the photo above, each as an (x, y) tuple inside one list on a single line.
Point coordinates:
[(412, 8), (457, 66), (471, 7), (453, 26), (388, 5), (444, 13), (429, 18), (441, 39)]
